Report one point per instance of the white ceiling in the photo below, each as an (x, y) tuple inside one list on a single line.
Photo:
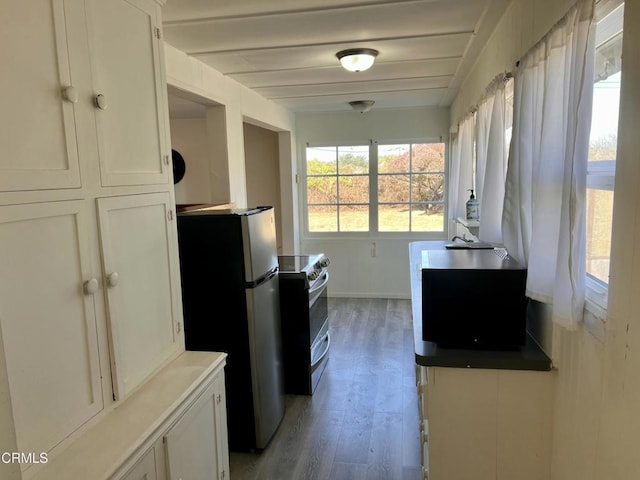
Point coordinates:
[(285, 49)]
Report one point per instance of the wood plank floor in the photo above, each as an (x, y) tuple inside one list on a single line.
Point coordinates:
[(362, 421)]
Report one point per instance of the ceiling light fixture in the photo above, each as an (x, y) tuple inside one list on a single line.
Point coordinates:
[(362, 105), (357, 59)]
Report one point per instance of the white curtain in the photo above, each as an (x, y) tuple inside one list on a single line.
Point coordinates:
[(491, 162), (544, 206), (461, 168)]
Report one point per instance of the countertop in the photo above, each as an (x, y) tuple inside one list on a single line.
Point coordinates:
[(528, 357), (128, 428)]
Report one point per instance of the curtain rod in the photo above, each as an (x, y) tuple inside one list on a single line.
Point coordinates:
[(493, 84)]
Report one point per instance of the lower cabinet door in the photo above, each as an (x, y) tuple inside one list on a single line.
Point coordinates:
[(222, 443), (145, 469), (191, 444), (47, 321)]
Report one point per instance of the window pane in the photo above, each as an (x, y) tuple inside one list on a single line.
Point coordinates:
[(393, 159), (353, 160), (321, 190), (323, 219), (321, 160), (427, 188), (602, 152), (393, 188), (353, 189), (427, 157), (604, 123), (393, 218), (599, 217), (354, 218), (427, 218), (410, 185)]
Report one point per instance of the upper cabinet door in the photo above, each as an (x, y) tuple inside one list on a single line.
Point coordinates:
[(137, 234), (48, 321), (37, 125), (128, 77)]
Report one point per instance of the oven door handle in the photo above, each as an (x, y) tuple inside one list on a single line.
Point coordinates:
[(317, 289), (327, 340)]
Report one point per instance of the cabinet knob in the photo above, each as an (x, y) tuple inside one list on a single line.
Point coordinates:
[(101, 101), (70, 94), (91, 286), (112, 279)]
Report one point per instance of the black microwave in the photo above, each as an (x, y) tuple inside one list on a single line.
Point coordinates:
[(473, 299)]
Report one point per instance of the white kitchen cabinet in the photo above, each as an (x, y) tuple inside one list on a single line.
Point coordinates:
[(138, 240), (196, 445), (87, 82), (222, 444), (485, 424), (37, 122), (93, 370), (48, 321), (129, 86), (166, 427), (145, 469)]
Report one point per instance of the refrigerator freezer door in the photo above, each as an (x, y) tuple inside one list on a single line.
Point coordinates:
[(265, 346), (259, 244)]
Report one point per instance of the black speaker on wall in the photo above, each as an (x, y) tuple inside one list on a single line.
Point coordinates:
[(179, 167)]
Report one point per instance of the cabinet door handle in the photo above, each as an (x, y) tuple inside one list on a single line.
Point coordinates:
[(70, 94), (101, 101), (112, 279), (91, 286)]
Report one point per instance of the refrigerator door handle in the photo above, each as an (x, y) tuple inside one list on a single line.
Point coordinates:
[(265, 278)]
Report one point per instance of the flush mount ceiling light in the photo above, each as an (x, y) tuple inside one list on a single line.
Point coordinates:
[(362, 105), (357, 59)]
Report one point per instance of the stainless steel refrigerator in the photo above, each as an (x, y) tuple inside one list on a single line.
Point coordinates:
[(230, 295)]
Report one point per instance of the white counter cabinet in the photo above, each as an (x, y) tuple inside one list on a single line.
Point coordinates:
[(175, 421), (484, 414), (485, 424)]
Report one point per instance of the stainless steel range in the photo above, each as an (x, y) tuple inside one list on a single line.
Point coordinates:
[(305, 322)]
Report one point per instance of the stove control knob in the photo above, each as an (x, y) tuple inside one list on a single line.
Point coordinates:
[(312, 275), (323, 263)]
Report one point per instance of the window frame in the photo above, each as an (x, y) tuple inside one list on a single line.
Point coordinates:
[(373, 230), (601, 173)]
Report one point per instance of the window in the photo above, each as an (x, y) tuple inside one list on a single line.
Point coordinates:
[(338, 189), (602, 152), (376, 188), (411, 187)]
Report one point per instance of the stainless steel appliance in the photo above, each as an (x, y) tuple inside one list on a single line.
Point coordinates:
[(230, 294), (305, 323)]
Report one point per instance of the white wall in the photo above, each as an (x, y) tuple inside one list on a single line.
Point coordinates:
[(524, 23), (597, 387), (263, 171), (620, 412), (189, 138), (225, 130), (355, 271)]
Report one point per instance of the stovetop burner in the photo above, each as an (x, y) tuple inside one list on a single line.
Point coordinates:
[(310, 267), (296, 263)]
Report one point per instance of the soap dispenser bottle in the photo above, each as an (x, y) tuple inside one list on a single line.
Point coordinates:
[(473, 207)]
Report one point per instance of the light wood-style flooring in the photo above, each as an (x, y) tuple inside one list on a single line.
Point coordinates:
[(362, 421)]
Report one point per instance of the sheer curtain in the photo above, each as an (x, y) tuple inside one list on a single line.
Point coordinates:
[(544, 205), (461, 168), (491, 162)]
